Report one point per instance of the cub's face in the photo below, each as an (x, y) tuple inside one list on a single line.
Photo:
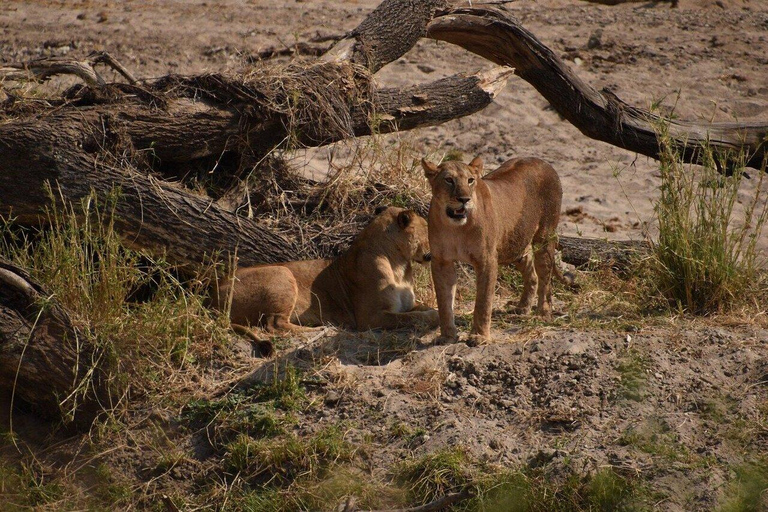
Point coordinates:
[(418, 239), (409, 231), (453, 187)]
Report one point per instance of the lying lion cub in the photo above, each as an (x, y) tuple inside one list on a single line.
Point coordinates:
[(370, 286), (508, 216)]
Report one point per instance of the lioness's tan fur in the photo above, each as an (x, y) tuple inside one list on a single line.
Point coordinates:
[(369, 286), (508, 216)]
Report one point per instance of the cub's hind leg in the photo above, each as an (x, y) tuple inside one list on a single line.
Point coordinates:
[(265, 296)]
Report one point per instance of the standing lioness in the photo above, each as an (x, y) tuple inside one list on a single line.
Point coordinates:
[(369, 286), (508, 216)]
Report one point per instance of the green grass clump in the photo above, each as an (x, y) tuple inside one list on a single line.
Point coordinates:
[(26, 486), (706, 259), (748, 491), (282, 459), (655, 437), (264, 410), (632, 368), (146, 324), (537, 491), (285, 389), (434, 475)]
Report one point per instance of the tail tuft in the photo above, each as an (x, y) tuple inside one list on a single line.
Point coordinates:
[(568, 278), (264, 347)]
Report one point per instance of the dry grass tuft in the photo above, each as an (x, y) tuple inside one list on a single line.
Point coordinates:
[(706, 259)]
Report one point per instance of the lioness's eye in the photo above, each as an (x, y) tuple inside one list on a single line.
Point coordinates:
[(471, 180), (449, 181)]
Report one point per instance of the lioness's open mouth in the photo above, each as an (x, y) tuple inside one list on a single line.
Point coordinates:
[(456, 213)]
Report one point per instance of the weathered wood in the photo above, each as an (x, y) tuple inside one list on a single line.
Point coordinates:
[(497, 36), (43, 69), (389, 31), (620, 255), (150, 213), (45, 362)]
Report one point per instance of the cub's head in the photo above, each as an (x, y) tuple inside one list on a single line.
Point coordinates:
[(407, 230), (453, 187)]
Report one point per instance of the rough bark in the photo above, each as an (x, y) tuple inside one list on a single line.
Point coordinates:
[(150, 213), (44, 362), (495, 35), (388, 32), (589, 252)]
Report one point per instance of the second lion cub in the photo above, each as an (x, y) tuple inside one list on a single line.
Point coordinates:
[(508, 216)]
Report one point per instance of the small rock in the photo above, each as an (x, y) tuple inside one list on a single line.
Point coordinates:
[(332, 398), (595, 40)]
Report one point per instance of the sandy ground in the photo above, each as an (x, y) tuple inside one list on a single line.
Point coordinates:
[(550, 393)]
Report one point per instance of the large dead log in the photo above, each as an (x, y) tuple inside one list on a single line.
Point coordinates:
[(45, 363), (149, 213), (619, 255)]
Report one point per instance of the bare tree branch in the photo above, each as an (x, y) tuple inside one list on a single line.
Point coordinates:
[(497, 36)]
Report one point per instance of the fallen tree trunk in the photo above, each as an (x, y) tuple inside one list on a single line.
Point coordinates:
[(45, 362), (619, 255)]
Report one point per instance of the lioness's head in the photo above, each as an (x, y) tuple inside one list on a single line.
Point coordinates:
[(453, 186), (408, 230)]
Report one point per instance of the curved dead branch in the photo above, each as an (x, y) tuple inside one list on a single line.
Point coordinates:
[(495, 35), (43, 69)]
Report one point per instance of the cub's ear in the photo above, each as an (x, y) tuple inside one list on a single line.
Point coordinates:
[(405, 218), (430, 169), (379, 209), (477, 165)]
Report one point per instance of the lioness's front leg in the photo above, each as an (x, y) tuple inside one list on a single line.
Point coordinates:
[(486, 288), (444, 279)]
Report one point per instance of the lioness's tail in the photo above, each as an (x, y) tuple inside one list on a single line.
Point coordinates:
[(265, 347)]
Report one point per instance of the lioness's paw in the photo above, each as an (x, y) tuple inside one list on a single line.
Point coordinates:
[(475, 340), (516, 309), (446, 340)]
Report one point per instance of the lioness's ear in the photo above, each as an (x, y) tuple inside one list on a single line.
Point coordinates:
[(430, 169), (405, 218), (477, 165), (379, 209)]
